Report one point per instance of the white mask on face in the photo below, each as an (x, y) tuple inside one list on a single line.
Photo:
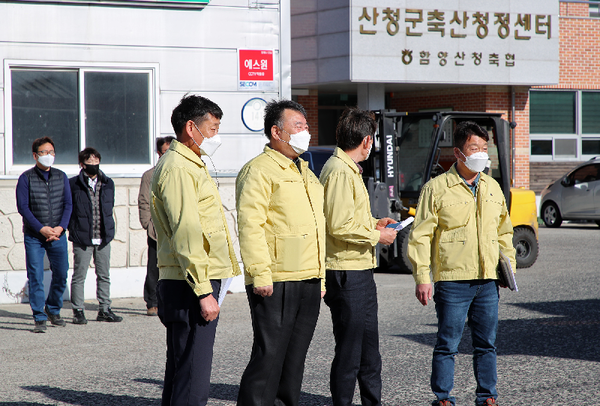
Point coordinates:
[(46, 160), (476, 162), (299, 141), (209, 145)]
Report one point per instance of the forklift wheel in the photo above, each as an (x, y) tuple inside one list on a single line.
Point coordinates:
[(526, 245)]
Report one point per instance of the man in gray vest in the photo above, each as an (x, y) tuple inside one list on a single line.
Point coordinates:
[(44, 201)]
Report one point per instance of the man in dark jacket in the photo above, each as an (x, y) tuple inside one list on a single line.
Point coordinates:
[(44, 201), (91, 229)]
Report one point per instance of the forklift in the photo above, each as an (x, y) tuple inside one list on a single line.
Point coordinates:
[(412, 148)]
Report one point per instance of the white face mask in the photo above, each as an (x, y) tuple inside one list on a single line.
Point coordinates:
[(476, 162), (46, 160), (209, 145), (299, 141)]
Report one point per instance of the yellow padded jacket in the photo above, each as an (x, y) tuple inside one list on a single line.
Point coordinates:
[(193, 241), (280, 220), (459, 236), (351, 229)]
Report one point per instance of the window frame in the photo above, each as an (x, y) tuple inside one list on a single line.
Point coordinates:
[(578, 135), (118, 170)]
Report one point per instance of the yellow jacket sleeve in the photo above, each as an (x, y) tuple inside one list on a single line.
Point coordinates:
[(421, 236), (340, 212), (505, 237), (253, 194), (179, 191)]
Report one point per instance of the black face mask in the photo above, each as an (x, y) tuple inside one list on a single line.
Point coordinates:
[(91, 170)]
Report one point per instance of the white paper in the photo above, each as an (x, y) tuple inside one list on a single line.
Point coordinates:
[(224, 288)]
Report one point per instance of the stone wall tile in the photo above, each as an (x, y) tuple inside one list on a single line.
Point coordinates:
[(134, 218), (122, 223), (16, 257), (118, 254), (137, 245), (6, 237), (133, 196), (8, 201), (17, 227), (121, 198)]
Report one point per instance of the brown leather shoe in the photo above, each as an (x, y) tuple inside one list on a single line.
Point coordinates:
[(153, 311)]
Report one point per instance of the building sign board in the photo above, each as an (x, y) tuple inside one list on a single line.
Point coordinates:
[(256, 70), (455, 41)]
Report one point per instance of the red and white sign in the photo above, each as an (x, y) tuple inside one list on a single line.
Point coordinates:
[(256, 65)]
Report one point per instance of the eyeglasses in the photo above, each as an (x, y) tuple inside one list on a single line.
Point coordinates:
[(46, 152)]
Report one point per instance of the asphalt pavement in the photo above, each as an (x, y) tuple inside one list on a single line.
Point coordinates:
[(548, 343)]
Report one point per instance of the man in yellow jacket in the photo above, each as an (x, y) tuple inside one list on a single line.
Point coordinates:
[(352, 234), (194, 250), (282, 242), (461, 225)]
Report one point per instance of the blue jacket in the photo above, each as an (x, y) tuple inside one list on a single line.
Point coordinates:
[(80, 226)]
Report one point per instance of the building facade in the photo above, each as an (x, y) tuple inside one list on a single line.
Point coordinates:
[(538, 59), (107, 74)]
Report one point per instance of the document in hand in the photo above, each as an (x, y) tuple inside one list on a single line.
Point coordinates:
[(506, 274), (399, 226)]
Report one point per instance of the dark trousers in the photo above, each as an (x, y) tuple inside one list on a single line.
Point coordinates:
[(283, 325), (190, 341), (352, 299), (151, 276)]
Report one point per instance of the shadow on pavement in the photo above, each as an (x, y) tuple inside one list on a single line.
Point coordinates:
[(228, 392), (84, 398), (573, 333)]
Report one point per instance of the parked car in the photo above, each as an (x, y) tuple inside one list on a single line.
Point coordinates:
[(575, 196)]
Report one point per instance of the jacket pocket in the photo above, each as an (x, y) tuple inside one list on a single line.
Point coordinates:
[(455, 213), (451, 248), (217, 249), (295, 252)]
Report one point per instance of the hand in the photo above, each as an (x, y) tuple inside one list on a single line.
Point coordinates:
[(382, 223), (424, 292), (209, 308), (387, 236), (50, 233), (263, 290), (323, 294)]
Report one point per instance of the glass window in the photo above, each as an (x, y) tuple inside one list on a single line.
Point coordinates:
[(590, 147), (45, 103), (116, 111), (590, 111), (565, 148), (552, 112), (541, 147), (588, 173)]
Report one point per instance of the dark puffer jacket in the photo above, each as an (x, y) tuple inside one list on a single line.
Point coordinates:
[(80, 226), (46, 200)]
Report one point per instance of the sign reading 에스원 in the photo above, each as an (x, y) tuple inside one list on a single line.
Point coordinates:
[(502, 42)]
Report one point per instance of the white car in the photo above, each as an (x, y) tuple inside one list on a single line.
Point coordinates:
[(575, 196)]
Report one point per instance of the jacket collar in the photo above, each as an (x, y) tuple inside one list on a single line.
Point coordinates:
[(187, 153), (82, 177), (453, 178), (281, 159), (339, 153)]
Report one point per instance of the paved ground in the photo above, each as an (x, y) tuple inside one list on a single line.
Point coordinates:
[(548, 343)]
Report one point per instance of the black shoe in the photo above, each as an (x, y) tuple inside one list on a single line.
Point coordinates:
[(79, 317), (40, 326), (109, 316), (55, 319)]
